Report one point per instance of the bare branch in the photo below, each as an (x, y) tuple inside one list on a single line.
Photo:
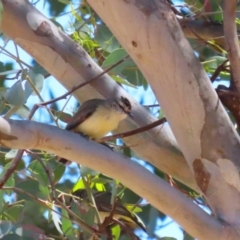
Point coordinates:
[(231, 39), (12, 168)]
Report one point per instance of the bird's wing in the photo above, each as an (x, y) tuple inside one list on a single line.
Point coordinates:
[(84, 112)]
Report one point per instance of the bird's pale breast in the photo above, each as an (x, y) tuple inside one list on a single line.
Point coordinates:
[(101, 122)]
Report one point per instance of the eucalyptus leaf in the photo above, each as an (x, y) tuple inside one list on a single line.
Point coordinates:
[(14, 71), (88, 171), (15, 95), (66, 224), (13, 212), (29, 186), (36, 80), (38, 172), (23, 112), (11, 154), (56, 220), (116, 232), (114, 57), (10, 181), (58, 172), (78, 185), (105, 39), (5, 228)]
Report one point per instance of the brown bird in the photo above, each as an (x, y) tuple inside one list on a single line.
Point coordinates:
[(97, 117)]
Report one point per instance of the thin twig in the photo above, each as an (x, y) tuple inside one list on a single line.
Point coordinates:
[(46, 170), (218, 70), (36, 106), (135, 131), (91, 198), (48, 204), (85, 83), (12, 168)]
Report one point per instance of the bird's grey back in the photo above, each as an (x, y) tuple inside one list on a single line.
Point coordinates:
[(85, 111)]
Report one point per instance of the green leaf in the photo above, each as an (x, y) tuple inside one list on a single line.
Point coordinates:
[(122, 81), (58, 172), (87, 216), (116, 232), (67, 226), (134, 76), (64, 117), (39, 69), (13, 212), (23, 112), (24, 74), (3, 91), (128, 69), (11, 154), (20, 166), (187, 237), (5, 73), (64, 1), (10, 182), (5, 228), (105, 39), (29, 186), (44, 192), (98, 179), (37, 81), (213, 62), (127, 152), (15, 95), (90, 216), (78, 185), (39, 172), (82, 27), (1, 200), (100, 187), (114, 57), (85, 171), (133, 206)]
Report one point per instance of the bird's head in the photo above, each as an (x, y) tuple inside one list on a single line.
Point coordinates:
[(124, 105)]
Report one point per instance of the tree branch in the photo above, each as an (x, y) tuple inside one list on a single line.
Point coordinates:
[(32, 135), (231, 39)]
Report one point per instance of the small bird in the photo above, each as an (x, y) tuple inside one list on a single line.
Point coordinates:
[(104, 206), (97, 117)]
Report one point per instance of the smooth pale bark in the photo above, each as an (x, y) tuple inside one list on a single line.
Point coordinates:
[(71, 65), (150, 33), (32, 135)]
